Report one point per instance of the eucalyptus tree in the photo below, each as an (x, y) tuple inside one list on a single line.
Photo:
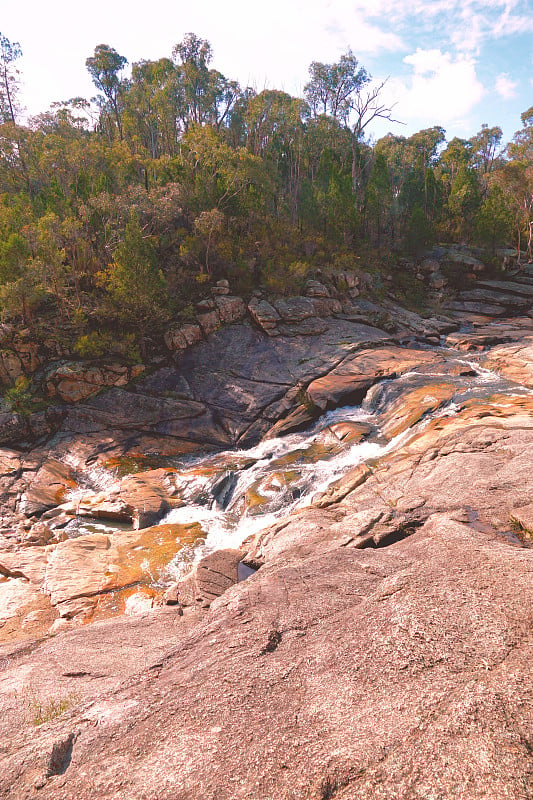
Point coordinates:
[(457, 153), (9, 53), (516, 179), (203, 95), (342, 90), (485, 146), (325, 194), (420, 187), (407, 164), (12, 138), (379, 199), (274, 124), (333, 88), (104, 68), (151, 108)]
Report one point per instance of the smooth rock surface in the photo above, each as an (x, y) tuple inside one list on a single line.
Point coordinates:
[(407, 683), (383, 648)]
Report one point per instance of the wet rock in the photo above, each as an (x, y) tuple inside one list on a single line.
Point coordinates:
[(223, 489), (515, 361), (148, 500), (350, 431), (411, 406), (95, 563), (348, 383), (337, 390), (49, 487), (297, 420)]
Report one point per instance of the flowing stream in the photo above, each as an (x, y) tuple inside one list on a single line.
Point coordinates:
[(235, 493)]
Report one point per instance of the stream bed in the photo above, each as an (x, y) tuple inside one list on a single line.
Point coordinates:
[(230, 495)]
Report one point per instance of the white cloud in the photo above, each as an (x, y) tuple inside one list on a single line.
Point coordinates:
[(351, 24), (465, 24), (441, 87), (361, 35), (506, 87)]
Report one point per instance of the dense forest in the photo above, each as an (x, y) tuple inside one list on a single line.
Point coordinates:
[(115, 211)]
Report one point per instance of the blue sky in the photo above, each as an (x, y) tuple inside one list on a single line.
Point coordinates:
[(455, 63)]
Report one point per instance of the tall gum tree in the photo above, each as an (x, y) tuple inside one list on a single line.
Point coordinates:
[(342, 90), (204, 95), (517, 182), (104, 68), (9, 53)]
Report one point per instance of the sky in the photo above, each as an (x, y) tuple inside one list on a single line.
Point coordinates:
[(454, 63)]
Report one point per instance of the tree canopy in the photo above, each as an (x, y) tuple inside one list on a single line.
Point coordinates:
[(115, 210)]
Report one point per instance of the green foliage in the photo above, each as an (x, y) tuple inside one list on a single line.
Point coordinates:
[(419, 231), (494, 221), (20, 298), (97, 344), (332, 87), (464, 201), (9, 53), (115, 213), (45, 709), (135, 284), (19, 397)]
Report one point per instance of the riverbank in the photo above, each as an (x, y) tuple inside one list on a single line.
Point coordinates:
[(381, 647)]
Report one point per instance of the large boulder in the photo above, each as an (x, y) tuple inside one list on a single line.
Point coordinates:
[(180, 337), (230, 309), (48, 488), (95, 564), (265, 315), (295, 309), (73, 382), (348, 383), (515, 361), (209, 578)]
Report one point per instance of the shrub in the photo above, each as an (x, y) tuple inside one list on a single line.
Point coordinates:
[(19, 397)]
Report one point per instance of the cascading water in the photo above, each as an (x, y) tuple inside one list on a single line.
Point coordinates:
[(233, 494), (284, 474)]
